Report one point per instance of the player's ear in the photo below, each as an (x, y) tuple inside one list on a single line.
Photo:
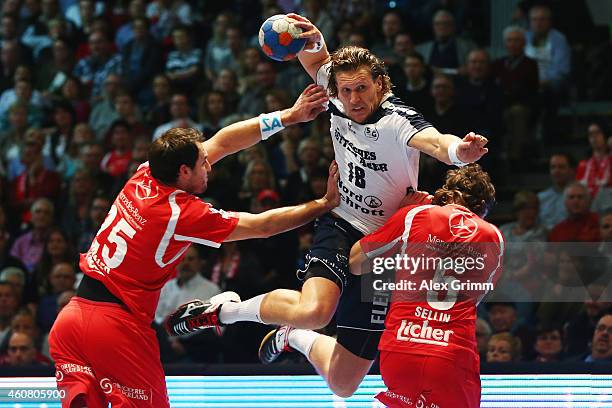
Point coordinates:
[(379, 83)]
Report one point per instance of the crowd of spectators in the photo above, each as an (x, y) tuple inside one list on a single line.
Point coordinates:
[(85, 86)]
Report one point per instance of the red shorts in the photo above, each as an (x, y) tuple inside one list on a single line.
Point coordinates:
[(427, 382), (103, 354)]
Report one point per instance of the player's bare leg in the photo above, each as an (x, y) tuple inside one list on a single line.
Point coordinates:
[(312, 308), (342, 370)]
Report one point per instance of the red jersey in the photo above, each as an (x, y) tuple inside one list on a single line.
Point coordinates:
[(595, 173), (442, 251), (145, 235)]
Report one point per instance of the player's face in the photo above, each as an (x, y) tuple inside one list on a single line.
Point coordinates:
[(198, 176), (359, 93)]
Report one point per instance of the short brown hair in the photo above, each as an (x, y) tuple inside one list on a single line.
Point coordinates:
[(470, 185), (351, 58), (174, 148)]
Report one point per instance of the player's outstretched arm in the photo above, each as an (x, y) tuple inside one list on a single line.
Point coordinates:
[(283, 219), (315, 51), (450, 149), (240, 135)]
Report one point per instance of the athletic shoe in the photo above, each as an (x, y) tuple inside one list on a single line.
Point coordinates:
[(274, 344), (197, 315)]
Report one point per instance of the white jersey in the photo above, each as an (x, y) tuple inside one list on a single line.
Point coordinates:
[(375, 162)]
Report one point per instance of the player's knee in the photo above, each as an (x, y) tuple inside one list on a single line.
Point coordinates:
[(315, 315), (343, 387)]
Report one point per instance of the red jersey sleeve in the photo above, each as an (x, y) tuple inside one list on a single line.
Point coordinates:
[(200, 223)]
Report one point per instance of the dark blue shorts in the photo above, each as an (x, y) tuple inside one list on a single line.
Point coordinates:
[(360, 321)]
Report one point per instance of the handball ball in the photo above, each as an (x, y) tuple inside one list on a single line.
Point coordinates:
[(278, 38)]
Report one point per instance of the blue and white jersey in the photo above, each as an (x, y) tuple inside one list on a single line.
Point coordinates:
[(375, 162)]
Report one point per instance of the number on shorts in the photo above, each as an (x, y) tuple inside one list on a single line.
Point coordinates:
[(357, 175)]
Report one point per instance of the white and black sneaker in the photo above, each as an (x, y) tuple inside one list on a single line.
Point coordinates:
[(197, 315), (274, 344)]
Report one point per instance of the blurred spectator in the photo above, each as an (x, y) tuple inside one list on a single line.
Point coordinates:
[(596, 171), (228, 56), (125, 33), (258, 176), (297, 189), (21, 351), (447, 51), (189, 284), (605, 233), (216, 49), (551, 51), (18, 92), (517, 74), (503, 348), (57, 249), (95, 69), (83, 12), (59, 136), (580, 329), (52, 73), (72, 91), (90, 157), (212, 110), (141, 58), (11, 56), (601, 346), (227, 83), (180, 112), (104, 108), (502, 316), (29, 247), (581, 225), (159, 112), (35, 181), (552, 200), (12, 138), (358, 40), (17, 277), (61, 279), (525, 240), (391, 27), (253, 99), (23, 93), (126, 110), (116, 161), (413, 87), (315, 11), (183, 64), (478, 93), (447, 117), (549, 344), (402, 48), (549, 48), (140, 151), (247, 78), (345, 28), (483, 334), (36, 35), (25, 322), (9, 303), (167, 14), (76, 203), (97, 212), (6, 259)]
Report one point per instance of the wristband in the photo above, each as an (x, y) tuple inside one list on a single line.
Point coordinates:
[(452, 155), (318, 46), (269, 124)]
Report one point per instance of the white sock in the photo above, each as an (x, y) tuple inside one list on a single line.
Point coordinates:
[(302, 340), (245, 311)]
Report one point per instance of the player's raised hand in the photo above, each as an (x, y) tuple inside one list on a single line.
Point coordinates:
[(309, 31), (309, 104), (414, 197), (333, 193), (472, 148)]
